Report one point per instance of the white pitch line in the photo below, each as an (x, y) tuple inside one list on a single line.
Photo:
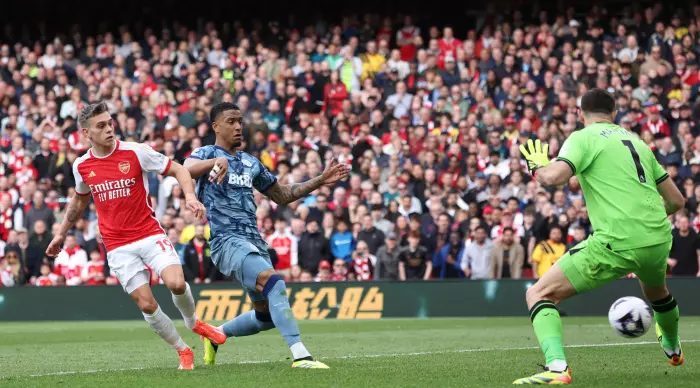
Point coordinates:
[(380, 355)]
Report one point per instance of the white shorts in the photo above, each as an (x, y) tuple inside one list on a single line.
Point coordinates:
[(129, 262)]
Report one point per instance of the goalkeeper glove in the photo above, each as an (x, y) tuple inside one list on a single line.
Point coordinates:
[(536, 154)]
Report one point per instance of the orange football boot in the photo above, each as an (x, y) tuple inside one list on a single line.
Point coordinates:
[(213, 333), (186, 359)]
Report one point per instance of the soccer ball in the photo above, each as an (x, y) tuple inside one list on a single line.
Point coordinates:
[(630, 317)]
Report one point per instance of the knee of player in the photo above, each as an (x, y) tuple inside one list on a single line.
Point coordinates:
[(264, 278), (534, 294), (177, 286), (147, 305)]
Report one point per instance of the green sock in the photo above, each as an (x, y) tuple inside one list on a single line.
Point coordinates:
[(547, 324), (666, 314)]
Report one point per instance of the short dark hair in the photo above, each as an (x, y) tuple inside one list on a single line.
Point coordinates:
[(220, 108), (598, 101), (91, 111), (508, 229)]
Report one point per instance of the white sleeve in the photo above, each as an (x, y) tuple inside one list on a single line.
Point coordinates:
[(464, 263), (294, 259), (81, 258), (151, 160), (19, 217), (80, 186)]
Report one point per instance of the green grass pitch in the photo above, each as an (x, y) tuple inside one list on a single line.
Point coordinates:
[(484, 352)]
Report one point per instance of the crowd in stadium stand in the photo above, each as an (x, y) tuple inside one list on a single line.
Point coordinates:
[(430, 123)]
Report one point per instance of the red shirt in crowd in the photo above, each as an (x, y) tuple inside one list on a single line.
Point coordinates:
[(199, 249), (70, 263), (658, 126), (285, 244), (94, 267), (333, 97), (362, 268)]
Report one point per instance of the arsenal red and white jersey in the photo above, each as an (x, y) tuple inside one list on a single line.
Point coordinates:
[(119, 185), (285, 244)]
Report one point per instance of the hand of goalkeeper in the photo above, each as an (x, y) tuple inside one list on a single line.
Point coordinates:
[(536, 154)]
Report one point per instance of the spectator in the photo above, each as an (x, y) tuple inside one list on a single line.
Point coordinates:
[(93, 272), (579, 237), (475, 262), (685, 251), (40, 238), (198, 267), (13, 270), (46, 277), (342, 242), (324, 272), (70, 262), (294, 274), (414, 262), (507, 257), (38, 212), (285, 244), (370, 234), (447, 260), (340, 272), (313, 247), (10, 217), (387, 267), (400, 102), (28, 253), (362, 263), (547, 252), (378, 219), (306, 277)]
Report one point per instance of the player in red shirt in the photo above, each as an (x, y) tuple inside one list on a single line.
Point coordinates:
[(114, 173)]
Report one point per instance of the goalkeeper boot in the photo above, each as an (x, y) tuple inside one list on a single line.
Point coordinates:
[(675, 356), (547, 377), (309, 363), (210, 350), (206, 330), (186, 359)]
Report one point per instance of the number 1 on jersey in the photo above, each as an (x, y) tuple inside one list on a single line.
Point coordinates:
[(637, 163)]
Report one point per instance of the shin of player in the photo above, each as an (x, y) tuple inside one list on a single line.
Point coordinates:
[(270, 313)]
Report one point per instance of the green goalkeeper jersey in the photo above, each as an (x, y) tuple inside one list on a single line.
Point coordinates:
[(618, 174)]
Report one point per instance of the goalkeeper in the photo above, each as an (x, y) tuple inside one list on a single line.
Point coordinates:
[(621, 182)]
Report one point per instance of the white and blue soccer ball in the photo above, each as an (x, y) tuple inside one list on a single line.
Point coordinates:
[(630, 317)]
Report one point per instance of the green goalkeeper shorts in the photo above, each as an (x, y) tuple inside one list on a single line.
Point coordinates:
[(591, 264)]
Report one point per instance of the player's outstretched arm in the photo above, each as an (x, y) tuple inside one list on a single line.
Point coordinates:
[(75, 209), (547, 173), (673, 199), (554, 174), (217, 168), (284, 194), (185, 180)]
